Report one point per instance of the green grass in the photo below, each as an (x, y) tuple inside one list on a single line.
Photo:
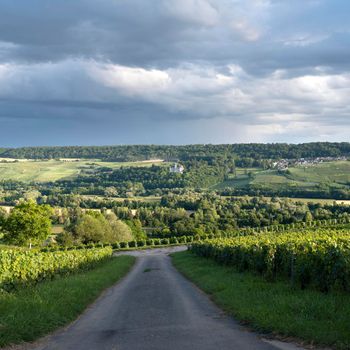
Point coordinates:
[(335, 173), (273, 308), (338, 172), (33, 312), (53, 170)]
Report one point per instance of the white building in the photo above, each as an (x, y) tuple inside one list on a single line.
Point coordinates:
[(177, 168)]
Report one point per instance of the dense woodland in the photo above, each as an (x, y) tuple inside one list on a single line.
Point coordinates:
[(207, 153)]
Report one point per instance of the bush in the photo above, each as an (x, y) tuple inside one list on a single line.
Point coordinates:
[(132, 244), (124, 245), (182, 239), (116, 245), (164, 241), (149, 242), (19, 267), (141, 243), (173, 240)]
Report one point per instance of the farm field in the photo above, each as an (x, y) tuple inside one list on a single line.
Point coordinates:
[(53, 170), (335, 173), (338, 172)]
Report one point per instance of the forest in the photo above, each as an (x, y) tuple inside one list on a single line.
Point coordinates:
[(207, 152)]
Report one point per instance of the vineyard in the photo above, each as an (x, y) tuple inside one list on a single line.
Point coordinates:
[(317, 258), (23, 267)]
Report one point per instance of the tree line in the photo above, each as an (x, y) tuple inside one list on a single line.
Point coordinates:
[(187, 152)]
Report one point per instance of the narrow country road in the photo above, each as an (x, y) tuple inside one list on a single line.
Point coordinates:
[(154, 307)]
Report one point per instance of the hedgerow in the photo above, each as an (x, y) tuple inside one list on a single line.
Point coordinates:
[(320, 258), (23, 267)]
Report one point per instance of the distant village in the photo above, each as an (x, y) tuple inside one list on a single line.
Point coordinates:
[(284, 164)]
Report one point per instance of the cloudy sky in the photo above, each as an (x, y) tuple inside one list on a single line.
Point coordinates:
[(173, 71)]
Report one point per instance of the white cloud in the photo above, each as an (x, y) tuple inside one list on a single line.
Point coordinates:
[(271, 105), (130, 81)]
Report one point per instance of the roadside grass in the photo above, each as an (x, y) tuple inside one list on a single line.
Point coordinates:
[(272, 308), (30, 313)]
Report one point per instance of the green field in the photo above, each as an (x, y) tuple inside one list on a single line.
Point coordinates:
[(53, 170), (336, 174)]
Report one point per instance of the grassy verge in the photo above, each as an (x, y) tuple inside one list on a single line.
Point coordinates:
[(273, 308), (30, 313)]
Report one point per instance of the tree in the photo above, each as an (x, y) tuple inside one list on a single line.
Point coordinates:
[(308, 217), (92, 227), (136, 228), (96, 227), (3, 216), (120, 231), (28, 223)]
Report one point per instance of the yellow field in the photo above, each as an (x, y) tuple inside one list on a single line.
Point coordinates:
[(53, 170)]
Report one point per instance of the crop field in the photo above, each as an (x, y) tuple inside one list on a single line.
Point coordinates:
[(335, 173), (338, 172), (53, 170), (317, 258), (20, 267)]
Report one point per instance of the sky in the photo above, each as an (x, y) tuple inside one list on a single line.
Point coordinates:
[(89, 72)]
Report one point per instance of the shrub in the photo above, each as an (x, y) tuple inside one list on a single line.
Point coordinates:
[(124, 245), (182, 239), (149, 242), (116, 245), (173, 240), (19, 267), (132, 244), (141, 243), (164, 241)]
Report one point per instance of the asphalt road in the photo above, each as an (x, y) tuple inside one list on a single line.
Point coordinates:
[(154, 307)]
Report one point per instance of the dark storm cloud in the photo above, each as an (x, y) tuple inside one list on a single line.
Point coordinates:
[(165, 33), (272, 68)]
